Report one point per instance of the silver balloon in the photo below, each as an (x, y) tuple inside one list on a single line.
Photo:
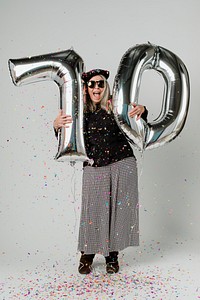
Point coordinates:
[(65, 69), (175, 103)]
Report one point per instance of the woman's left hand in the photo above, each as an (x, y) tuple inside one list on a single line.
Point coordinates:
[(137, 110)]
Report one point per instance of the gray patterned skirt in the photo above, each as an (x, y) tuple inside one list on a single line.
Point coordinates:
[(110, 210)]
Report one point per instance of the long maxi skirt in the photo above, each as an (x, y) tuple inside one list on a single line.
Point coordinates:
[(109, 218)]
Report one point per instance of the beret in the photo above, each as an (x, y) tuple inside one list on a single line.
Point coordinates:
[(86, 76)]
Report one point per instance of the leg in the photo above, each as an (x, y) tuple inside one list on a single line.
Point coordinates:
[(86, 260), (124, 229), (95, 211), (112, 265)]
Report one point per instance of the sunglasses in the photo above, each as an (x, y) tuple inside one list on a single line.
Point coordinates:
[(100, 83)]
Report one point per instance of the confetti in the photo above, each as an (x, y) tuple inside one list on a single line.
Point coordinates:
[(150, 282)]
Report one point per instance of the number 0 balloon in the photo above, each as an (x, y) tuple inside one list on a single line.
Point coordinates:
[(65, 69), (175, 104)]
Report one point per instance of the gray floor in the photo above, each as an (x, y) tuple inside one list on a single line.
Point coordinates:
[(152, 271)]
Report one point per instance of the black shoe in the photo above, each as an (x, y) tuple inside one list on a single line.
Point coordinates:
[(112, 265), (85, 266)]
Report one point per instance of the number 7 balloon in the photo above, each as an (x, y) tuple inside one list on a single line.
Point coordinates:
[(175, 104), (65, 69)]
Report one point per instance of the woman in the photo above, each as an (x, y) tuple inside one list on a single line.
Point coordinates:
[(109, 214)]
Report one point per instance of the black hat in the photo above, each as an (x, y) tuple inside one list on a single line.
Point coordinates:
[(87, 75)]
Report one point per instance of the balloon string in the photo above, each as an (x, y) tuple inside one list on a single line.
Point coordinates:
[(140, 166), (140, 172), (73, 191)]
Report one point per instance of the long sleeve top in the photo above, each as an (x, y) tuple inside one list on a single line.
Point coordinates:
[(104, 141)]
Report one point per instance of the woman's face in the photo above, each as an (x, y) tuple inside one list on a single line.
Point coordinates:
[(95, 92)]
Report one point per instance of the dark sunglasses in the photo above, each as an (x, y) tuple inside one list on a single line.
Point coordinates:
[(91, 84)]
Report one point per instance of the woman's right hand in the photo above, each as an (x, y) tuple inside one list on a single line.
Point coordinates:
[(62, 120)]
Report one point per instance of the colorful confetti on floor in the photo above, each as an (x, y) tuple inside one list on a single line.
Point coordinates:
[(144, 283)]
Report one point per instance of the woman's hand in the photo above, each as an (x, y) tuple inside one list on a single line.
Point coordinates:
[(62, 121), (137, 110)]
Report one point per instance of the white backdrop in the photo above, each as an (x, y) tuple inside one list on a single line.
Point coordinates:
[(40, 198)]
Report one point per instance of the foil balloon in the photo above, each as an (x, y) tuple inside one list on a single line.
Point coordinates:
[(65, 69), (175, 101)]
